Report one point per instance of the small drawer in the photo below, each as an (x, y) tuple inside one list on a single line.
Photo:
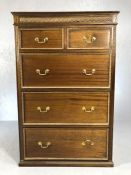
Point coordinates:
[(65, 70), (88, 38), (66, 108), (42, 39), (69, 143)]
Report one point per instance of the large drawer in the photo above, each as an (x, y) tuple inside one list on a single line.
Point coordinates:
[(69, 143), (65, 70), (66, 108), (89, 38), (47, 38)]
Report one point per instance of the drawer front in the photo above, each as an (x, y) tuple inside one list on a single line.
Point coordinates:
[(60, 143), (89, 38), (42, 39), (66, 108), (57, 70)]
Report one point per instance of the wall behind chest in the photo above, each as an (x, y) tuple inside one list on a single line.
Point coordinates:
[(8, 103)]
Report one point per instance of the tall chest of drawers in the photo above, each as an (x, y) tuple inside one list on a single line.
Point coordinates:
[(65, 78)]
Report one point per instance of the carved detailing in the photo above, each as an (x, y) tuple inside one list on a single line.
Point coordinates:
[(73, 19)]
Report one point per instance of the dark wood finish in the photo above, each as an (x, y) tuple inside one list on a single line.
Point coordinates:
[(67, 70), (35, 19), (76, 41), (66, 143), (66, 108), (54, 38), (65, 163), (77, 38)]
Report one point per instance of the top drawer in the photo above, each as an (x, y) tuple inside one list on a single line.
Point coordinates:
[(89, 38), (48, 38)]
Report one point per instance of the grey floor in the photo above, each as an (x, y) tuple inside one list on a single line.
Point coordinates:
[(9, 155)]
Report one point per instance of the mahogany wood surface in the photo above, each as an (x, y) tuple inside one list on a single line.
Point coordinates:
[(77, 37), (65, 61), (66, 143), (54, 36), (66, 108), (66, 70)]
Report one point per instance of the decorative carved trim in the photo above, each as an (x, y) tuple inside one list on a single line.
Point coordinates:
[(70, 19)]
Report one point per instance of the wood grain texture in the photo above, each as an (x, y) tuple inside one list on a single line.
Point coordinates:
[(54, 38), (67, 70), (65, 88), (66, 108), (66, 143), (76, 38)]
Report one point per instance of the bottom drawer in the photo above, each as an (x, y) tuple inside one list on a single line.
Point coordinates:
[(65, 143)]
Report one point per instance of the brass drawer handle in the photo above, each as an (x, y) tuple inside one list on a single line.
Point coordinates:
[(47, 144), (87, 142), (43, 74), (84, 71), (46, 109), (88, 39), (41, 41), (90, 110)]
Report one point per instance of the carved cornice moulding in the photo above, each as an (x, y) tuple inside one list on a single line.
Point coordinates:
[(83, 19)]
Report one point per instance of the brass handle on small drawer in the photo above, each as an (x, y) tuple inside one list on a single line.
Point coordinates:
[(88, 39), (41, 41), (87, 143), (46, 109), (90, 110), (84, 71), (47, 144), (45, 73)]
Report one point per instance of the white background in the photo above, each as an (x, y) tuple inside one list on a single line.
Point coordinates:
[(8, 100)]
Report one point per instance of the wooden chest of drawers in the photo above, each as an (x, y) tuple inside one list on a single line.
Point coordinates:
[(65, 77)]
